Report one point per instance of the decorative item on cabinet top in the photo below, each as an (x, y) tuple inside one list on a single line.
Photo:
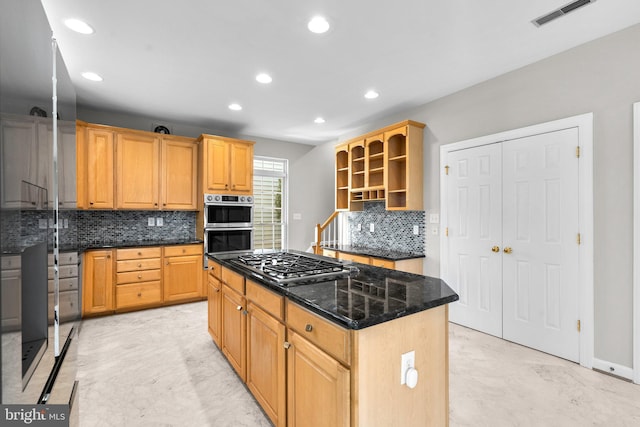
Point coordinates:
[(383, 165)]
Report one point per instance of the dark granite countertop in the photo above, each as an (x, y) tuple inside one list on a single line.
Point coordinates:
[(369, 296), (376, 253), (18, 249)]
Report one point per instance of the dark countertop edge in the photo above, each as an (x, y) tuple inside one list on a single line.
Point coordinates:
[(396, 256), (341, 321), (111, 245)]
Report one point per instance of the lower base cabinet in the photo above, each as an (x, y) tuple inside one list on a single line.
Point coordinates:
[(234, 330), (411, 265), (214, 318)]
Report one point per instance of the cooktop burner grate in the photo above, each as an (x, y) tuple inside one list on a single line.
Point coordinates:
[(284, 266)]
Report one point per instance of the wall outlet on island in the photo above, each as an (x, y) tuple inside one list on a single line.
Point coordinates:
[(151, 222)]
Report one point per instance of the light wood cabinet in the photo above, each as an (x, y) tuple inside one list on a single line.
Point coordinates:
[(98, 170), (318, 387), (234, 330), (97, 279), (182, 276), (384, 165), (137, 170), (214, 302), (138, 277), (178, 173), (227, 165), (410, 265)]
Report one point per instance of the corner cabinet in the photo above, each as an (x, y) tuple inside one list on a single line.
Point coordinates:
[(384, 165), (227, 165)]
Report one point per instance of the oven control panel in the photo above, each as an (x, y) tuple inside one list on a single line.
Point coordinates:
[(226, 199)]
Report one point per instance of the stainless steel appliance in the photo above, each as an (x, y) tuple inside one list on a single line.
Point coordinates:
[(285, 267), (228, 223)]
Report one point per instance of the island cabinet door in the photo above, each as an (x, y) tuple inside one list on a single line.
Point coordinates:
[(234, 327), (266, 367), (318, 387), (214, 301)]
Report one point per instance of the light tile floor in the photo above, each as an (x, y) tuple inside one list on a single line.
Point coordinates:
[(160, 368)]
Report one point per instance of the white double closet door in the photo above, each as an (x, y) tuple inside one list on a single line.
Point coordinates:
[(512, 215)]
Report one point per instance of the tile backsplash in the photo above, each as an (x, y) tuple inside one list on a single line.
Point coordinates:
[(393, 230), (93, 228)]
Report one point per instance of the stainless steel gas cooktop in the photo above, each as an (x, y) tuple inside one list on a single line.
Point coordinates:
[(286, 267)]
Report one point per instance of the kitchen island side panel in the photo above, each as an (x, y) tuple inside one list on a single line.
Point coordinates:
[(378, 398)]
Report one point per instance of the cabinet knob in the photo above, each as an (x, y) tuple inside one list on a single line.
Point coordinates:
[(308, 327), (139, 294), (139, 253), (217, 290), (139, 276), (286, 345), (167, 263), (108, 256), (139, 265), (155, 204), (90, 203), (239, 308)]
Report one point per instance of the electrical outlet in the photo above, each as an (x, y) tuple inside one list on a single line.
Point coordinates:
[(407, 360), (416, 230), (359, 227), (42, 223), (371, 227), (66, 223), (159, 221), (434, 230), (50, 222), (151, 222)]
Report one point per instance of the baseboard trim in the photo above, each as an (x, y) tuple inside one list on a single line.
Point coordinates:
[(613, 369)]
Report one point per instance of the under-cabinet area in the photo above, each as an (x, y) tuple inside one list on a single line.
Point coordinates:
[(134, 278), (306, 369)]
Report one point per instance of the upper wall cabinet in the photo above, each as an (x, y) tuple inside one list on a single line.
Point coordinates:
[(27, 157), (384, 165), (143, 170), (227, 165)]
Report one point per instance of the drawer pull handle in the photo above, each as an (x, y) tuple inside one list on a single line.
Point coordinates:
[(139, 294), (139, 253), (139, 276), (308, 327), (239, 308), (139, 265), (286, 345), (217, 290)]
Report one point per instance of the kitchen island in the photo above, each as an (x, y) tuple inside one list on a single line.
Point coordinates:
[(327, 351)]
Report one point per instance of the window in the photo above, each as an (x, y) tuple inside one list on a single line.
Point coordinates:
[(270, 201)]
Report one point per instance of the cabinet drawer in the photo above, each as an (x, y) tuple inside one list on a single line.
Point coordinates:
[(135, 294), (64, 271), (138, 276), (385, 263), (267, 300), (69, 306), (329, 337), (215, 269), (355, 258), (182, 250), (65, 258), (11, 262), (138, 265), (234, 280), (138, 253), (329, 253), (68, 284)]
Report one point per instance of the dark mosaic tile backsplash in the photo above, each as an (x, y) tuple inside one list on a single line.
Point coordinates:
[(393, 230), (91, 228)]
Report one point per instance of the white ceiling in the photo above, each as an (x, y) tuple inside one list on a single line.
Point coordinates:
[(187, 61)]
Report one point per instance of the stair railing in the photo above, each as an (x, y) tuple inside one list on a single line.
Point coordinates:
[(327, 233)]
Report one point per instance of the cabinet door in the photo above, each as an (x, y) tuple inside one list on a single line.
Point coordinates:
[(318, 387), (182, 277), (266, 363), (66, 162), (19, 162), (214, 312), (137, 176), (11, 290), (97, 282), (100, 184), (216, 163), (179, 175), (234, 324), (241, 163)]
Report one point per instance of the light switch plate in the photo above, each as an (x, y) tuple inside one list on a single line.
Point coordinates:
[(297, 216), (42, 223), (151, 222), (371, 227), (159, 221), (416, 230), (359, 227), (434, 218)]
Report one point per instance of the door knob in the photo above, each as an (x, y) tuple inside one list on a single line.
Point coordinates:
[(508, 250), (495, 249)]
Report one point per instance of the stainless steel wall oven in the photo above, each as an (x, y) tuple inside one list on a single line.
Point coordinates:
[(228, 223)]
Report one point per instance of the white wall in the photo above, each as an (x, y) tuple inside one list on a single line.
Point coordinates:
[(600, 77)]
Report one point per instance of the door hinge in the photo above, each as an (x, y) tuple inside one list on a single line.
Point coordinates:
[(578, 325), (446, 170), (578, 238), (578, 151), (446, 231)]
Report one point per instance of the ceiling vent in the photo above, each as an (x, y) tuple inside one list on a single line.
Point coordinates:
[(548, 17)]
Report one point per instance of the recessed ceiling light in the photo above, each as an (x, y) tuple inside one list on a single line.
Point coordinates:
[(263, 78), (78, 26), (318, 25), (235, 107), (372, 94), (319, 120), (92, 76)]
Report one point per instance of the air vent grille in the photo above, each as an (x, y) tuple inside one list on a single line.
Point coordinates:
[(548, 17)]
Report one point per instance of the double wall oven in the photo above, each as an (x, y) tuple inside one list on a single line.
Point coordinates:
[(228, 223)]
